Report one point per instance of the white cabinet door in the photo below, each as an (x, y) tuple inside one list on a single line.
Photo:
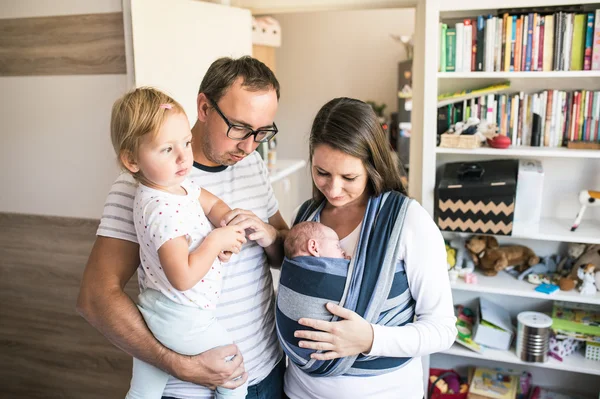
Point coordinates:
[(171, 43)]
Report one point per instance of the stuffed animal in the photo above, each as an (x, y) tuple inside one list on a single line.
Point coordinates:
[(586, 274), (491, 258), (591, 255), (464, 263)]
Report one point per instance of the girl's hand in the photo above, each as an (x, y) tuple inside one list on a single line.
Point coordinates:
[(224, 256), (229, 238), (347, 337)]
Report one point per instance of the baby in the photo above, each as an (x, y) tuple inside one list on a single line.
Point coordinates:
[(313, 239)]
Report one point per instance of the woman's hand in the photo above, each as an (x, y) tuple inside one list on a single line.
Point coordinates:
[(347, 337)]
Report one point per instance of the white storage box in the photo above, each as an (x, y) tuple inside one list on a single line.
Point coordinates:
[(493, 327), (528, 201)]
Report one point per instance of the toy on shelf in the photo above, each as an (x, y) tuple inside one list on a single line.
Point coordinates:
[(586, 275), (464, 263), (446, 384), (490, 258), (591, 254), (587, 198)]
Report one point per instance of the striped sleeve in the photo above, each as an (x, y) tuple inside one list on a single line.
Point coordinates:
[(272, 204), (117, 216)]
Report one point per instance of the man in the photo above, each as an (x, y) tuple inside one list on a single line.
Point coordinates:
[(236, 105)]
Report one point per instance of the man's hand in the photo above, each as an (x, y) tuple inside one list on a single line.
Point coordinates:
[(212, 368), (256, 230)]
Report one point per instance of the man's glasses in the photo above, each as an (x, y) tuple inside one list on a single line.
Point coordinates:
[(241, 132)]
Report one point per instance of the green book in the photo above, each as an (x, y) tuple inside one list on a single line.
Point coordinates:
[(443, 29), (578, 44), (450, 49)]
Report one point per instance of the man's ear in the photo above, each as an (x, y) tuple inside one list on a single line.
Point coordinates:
[(202, 106), (313, 247), (129, 161)]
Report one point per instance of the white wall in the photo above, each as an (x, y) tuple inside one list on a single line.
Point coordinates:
[(331, 54), (55, 156)]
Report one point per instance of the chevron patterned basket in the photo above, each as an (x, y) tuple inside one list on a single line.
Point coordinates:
[(477, 197)]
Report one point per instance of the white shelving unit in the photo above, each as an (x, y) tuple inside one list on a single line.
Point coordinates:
[(567, 171)]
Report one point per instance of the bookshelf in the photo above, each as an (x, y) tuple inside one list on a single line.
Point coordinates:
[(566, 172)]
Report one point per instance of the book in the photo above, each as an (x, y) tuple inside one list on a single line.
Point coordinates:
[(589, 39), (576, 317), (454, 97), (493, 383), (450, 49)]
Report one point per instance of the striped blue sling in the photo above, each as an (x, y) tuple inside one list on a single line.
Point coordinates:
[(372, 284)]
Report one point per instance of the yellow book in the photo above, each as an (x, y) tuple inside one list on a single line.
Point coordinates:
[(494, 384), (577, 46), (508, 41)]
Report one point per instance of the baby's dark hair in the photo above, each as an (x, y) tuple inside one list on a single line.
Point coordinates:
[(299, 235)]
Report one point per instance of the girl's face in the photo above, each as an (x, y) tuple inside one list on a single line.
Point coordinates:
[(165, 159), (341, 178)]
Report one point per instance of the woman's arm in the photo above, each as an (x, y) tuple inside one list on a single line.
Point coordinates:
[(434, 330)]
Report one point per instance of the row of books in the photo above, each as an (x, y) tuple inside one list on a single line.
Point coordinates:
[(562, 41), (550, 118)]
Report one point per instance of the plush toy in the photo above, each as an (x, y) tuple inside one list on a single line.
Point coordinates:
[(491, 258), (591, 255), (586, 274), (440, 386), (450, 257), (464, 263)]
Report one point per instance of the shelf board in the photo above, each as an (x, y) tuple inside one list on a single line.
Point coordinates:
[(575, 362), (524, 151), (519, 75), (284, 168), (505, 284), (554, 229)]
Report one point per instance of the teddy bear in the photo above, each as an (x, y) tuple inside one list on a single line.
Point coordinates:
[(490, 258)]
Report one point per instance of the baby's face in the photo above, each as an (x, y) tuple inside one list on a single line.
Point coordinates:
[(330, 245)]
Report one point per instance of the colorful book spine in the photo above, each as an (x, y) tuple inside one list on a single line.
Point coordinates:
[(530, 29), (548, 43), (450, 50), (540, 58), (596, 43), (443, 29), (578, 42), (589, 39)]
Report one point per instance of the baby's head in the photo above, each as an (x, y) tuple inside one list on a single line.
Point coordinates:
[(312, 239), (151, 137)]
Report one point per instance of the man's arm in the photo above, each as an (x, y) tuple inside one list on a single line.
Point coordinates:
[(104, 304)]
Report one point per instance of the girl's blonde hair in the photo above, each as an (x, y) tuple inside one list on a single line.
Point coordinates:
[(139, 112)]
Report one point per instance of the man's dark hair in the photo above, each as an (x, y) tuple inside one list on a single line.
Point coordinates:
[(225, 71)]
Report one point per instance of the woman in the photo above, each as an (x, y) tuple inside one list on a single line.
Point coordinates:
[(398, 271)]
